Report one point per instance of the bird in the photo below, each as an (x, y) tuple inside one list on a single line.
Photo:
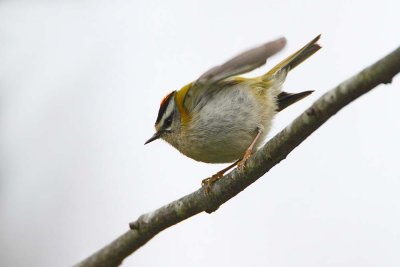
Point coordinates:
[(222, 117)]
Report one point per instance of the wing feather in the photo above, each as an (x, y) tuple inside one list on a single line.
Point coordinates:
[(242, 63)]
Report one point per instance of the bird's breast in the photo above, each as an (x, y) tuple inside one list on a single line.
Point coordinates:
[(222, 130)]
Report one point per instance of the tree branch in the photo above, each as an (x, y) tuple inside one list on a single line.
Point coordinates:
[(150, 224)]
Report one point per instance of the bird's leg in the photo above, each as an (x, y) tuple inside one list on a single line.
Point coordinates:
[(206, 183), (249, 151)]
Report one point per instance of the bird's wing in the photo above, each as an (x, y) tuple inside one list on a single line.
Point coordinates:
[(242, 63)]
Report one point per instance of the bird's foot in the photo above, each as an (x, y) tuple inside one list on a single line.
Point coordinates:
[(242, 163), (208, 182)]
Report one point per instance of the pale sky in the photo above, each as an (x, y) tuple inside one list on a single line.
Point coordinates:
[(80, 86)]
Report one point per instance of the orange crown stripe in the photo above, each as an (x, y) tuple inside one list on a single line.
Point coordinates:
[(165, 98)]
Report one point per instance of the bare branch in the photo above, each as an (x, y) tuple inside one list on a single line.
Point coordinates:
[(150, 224)]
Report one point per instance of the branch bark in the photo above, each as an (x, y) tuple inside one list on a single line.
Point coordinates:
[(150, 224)]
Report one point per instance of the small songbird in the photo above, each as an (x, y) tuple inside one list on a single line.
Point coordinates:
[(220, 117)]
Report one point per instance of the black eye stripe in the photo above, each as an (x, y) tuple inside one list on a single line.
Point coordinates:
[(168, 121), (164, 106)]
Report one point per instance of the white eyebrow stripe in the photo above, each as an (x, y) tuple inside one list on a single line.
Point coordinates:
[(168, 112)]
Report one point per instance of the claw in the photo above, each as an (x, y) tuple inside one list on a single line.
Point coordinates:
[(242, 163), (208, 182)]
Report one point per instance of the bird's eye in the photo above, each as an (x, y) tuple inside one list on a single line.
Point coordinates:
[(168, 121)]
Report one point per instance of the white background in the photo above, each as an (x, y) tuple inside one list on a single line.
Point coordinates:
[(80, 85)]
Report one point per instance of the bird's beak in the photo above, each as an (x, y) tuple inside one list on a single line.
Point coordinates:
[(154, 137)]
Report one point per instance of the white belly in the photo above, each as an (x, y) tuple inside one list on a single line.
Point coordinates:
[(226, 126)]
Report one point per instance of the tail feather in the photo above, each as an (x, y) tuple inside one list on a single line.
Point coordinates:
[(295, 59), (286, 99)]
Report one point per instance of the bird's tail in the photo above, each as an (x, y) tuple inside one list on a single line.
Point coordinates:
[(285, 99), (278, 74), (295, 59)]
